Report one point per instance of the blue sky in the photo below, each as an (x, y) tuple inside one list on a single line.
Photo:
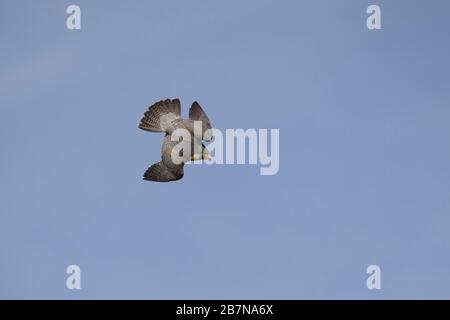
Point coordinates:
[(364, 150)]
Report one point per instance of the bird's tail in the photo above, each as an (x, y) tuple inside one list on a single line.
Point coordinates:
[(159, 115)]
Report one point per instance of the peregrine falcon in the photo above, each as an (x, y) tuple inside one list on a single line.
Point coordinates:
[(165, 116)]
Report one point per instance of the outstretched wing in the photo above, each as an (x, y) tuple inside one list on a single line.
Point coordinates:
[(196, 113), (161, 173)]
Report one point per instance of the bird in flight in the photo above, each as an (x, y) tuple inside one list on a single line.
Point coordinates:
[(165, 116)]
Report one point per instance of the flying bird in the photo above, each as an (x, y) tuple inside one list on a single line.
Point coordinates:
[(165, 116)]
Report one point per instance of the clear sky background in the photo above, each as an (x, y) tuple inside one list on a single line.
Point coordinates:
[(364, 119)]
